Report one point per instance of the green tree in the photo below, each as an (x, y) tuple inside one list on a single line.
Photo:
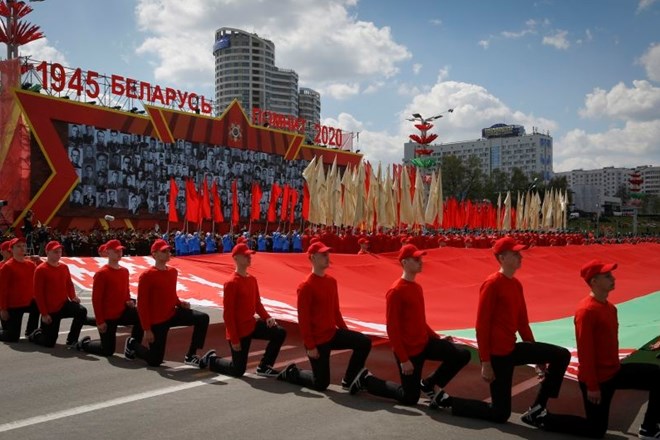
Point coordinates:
[(453, 176)]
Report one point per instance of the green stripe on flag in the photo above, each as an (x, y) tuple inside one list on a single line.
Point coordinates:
[(639, 322)]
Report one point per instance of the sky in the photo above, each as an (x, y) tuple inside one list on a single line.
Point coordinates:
[(587, 72)]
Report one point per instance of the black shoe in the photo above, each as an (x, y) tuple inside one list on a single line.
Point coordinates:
[(192, 360), (267, 371), (440, 400), (649, 433), (534, 416), (205, 360), (345, 385), (359, 381), (32, 336), (289, 374), (129, 352), (428, 390), (80, 345)]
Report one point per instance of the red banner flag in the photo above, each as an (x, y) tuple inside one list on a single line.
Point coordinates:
[(255, 212), (275, 192), (174, 191), (294, 201), (192, 202), (305, 203), (285, 203), (217, 206), (235, 211), (206, 201)]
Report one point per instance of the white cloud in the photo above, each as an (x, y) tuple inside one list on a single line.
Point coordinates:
[(42, 50), (443, 73), (341, 48), (374, 87), (435, 21), (406, 89), (339, 90), (484, 43), (558, 40), (376, 146), (644, 4), (640, 103), (474, 108), (636, 143), (651, 62), (416, 68)]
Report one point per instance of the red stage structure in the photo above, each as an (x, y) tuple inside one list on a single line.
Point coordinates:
[(56, 169)]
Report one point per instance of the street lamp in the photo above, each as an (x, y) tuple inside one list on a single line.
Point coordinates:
[(422, 120)]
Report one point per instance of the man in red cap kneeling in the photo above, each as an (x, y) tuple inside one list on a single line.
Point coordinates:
[(160, 309), (113, 305), (56, 298), (414, 342), (241, 301), (600, 372), (17, 292), (502, 312), (323, 329)]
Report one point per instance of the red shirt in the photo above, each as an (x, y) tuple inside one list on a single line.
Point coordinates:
[(52, 287), (241, 301), (596, 334), (110, 293), (157, 298), (318, 310), (16, 284), (406, 319), (501, 313)]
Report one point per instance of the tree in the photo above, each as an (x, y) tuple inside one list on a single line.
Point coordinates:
[(453, 176), (519, 181), (497, 183)]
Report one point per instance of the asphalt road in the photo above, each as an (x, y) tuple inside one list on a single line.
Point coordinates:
[(64, 394)]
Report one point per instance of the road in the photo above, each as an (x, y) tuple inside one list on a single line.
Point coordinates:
[(64, 394)]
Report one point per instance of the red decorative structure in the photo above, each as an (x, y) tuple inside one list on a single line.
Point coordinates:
[(635, 188), (422, 159), (15, 32)]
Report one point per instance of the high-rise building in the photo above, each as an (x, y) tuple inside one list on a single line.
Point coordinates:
[(502, 147), (245, 70), (309, 105)]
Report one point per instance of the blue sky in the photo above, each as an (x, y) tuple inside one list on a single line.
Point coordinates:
[(587, 71)]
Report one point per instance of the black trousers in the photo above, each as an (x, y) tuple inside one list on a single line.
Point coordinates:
[(11, 328), (236, 367), (155, 354), (524, 353), (106, 345), (454, 358), (319, 378), (631, 376), (70, 309)]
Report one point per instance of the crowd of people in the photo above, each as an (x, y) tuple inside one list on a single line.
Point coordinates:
[(44, 290), (343, 240)]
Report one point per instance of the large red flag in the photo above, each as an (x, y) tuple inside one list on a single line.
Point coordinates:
[(174, 191), (275, 192), (305, 203), (235, 211), (217, 206), (255, 213), (206, 201), (294, 201), (285, 203), (192, 202)]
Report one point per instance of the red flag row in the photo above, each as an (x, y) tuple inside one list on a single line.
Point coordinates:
[(198, 204)]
